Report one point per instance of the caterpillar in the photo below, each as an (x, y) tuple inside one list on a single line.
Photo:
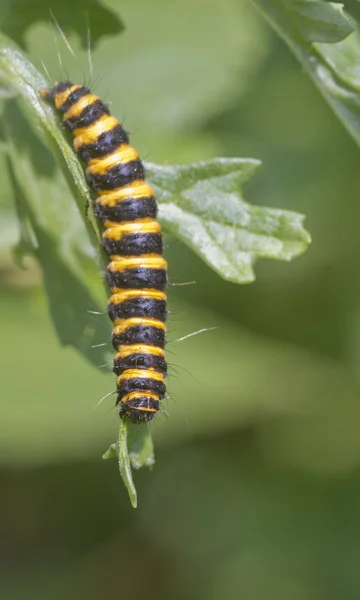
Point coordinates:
[(131, 237)]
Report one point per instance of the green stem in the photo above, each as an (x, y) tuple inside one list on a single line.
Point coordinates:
[(124, 462)]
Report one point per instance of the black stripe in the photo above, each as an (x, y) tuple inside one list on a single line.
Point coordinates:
[(140, 361), (141, 384), (106, 143), (128, 210), (138, 307), (117, 176), (137, 278), (62, 86), (88, 116), (134, 244), (140, 334), (73, 98)]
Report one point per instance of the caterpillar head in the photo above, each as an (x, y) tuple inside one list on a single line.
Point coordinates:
[(50, 93)]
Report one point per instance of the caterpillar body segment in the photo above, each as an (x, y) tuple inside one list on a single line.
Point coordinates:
[(136, 272)]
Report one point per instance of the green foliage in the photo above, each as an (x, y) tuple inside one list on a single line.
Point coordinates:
[(51, 233), (173, 75), (200, 203), (257, 465), (312, 21), (120, 450), (133, 449), (327, 44), (209, 191), (73, 15)]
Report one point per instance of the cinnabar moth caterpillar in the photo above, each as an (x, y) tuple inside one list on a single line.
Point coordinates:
[(132, 239)]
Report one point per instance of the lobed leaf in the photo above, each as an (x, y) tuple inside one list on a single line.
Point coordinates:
[(202, 204)]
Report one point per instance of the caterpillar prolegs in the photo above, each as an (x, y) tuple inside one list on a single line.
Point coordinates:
[(136, 273)]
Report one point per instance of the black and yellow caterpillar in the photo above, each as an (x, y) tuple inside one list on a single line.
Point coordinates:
[(136, 273)]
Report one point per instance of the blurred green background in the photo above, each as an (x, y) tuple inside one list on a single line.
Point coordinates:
[(256, 488)]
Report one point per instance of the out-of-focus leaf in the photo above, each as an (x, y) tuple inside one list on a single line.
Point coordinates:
[(317, 21), (290, 393), (8, 231), (141, 448), (334, 67), (202, 204), (72, 15), (187, 64)]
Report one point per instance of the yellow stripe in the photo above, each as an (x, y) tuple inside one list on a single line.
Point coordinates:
[(119, 297), (141, 374), (121, 156), (89, 135), (61, 97), (128, 350), (142, 408), (122, 325), (137, 189), (79, 106), (135, 395), (116, 290), (115, 231), (145, 261), (137, 225)]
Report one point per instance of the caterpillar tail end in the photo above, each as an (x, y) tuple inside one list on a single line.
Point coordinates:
[(139, 410)]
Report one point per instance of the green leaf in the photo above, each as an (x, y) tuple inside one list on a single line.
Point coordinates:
[(112, 451), (72, 15), (69, 258), (133, 449), (202, 204), (333, 67), (124, 463), (53, 233), (141, 449), (20, 76), (317, 21), (120, 451)]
